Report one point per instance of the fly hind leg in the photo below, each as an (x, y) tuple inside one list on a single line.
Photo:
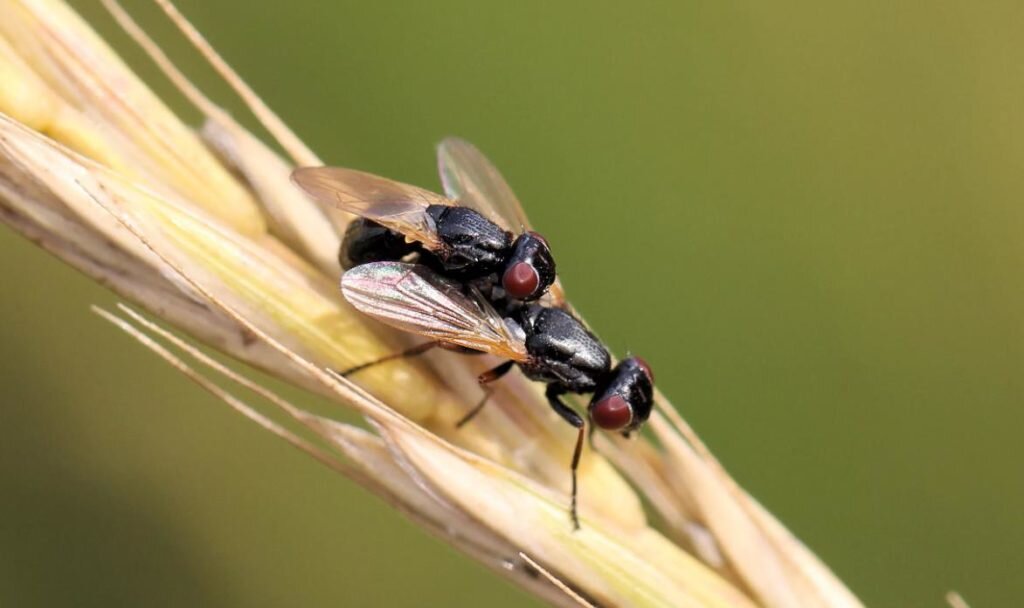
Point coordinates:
[(485, 379), (419, 349)]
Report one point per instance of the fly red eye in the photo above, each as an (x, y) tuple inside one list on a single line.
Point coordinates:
[(520, 280), (612, 413), (647, 368)]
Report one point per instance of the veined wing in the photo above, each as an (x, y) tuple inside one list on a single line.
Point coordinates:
[(398, 206), (471, 179), (413, 298)]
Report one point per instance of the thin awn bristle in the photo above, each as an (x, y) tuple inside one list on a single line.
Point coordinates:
[(162, 61), (222, 131), (225, 396), (557, 582), (299, 152)]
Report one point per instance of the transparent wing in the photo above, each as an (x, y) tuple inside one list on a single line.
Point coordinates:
[(400, 207), (413, 298), (471, 179)]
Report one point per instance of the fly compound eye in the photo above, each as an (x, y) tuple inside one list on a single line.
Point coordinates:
[(612, 413), (521, 280)]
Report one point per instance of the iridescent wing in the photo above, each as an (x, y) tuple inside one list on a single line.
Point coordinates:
[(413, 298), (400, 207), (471, 179)]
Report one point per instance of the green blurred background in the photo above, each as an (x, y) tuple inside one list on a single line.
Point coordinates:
[(807, 217)]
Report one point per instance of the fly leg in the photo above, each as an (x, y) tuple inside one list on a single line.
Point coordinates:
[(485, 379), (409, 352), (554, 393)]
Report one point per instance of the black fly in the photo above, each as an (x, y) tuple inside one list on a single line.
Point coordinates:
[(474, 287), (453, 235), (548, 344)]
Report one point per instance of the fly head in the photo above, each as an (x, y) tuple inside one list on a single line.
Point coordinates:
[(530, 270), (625, 402)]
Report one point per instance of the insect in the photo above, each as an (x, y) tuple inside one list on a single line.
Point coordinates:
[(474, 287), (548, 344), (466, 235)]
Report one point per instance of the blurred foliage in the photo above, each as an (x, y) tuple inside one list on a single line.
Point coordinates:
[(807, 218)]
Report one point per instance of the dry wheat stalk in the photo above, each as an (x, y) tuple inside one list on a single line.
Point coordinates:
[(204, 230)]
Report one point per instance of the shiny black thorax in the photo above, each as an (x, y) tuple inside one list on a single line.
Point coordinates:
[(562, 351), (472, 245)]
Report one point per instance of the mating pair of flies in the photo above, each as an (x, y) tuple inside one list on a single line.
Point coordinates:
[(451, 269)]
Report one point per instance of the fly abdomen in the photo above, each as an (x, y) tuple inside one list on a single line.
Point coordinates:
[(367, 241)]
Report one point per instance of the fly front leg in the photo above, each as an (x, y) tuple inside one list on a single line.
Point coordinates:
[(554, 393)]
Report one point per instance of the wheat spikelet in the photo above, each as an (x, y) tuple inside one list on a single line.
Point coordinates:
[(202, 229)]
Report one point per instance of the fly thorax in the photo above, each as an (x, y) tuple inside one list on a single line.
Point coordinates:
[(563, 349), (474, 245)]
